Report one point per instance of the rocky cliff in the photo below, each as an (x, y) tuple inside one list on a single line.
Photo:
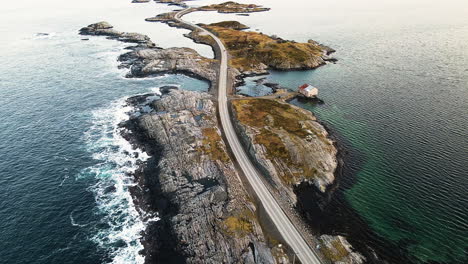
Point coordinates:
[(234, 7), (287, 142), (291, 148), (105, 29), (146, 59), (254, 52), (190, 181)]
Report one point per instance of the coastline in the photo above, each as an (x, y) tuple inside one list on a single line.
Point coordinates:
[(128, 60), (140, 197), (338, 217)]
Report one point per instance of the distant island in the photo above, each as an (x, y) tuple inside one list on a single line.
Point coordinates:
[(196, 178)]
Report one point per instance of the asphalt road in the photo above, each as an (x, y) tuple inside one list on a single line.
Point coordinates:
[(286, 228)]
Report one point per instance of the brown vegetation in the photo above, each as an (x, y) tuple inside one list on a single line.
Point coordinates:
[(233, 7), (276, 124), (249, 50), (239, 224), (230, 24), (336, 252), (212, 145)]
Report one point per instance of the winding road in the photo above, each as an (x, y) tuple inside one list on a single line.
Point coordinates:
[(288, 231)]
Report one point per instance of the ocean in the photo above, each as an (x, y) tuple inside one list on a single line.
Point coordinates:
[(397, 99)]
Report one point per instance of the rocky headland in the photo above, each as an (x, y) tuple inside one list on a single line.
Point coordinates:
[(234, 7), (145, 59), (287, 142), (105, 29), (207, 215), (292, 148), (190, 181), (254, 53)]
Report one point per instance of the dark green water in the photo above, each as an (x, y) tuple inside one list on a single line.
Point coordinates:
[(398, 97)]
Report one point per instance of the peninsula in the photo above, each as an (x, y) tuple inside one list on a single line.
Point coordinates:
[(223, 168)]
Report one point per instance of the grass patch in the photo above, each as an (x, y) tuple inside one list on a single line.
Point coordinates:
[(230, 24), (250, 49), (239, 224), (271, 117), (212, 145), (336, 253), (266, 112)]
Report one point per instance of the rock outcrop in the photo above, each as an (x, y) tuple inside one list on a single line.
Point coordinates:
[(291, 148), (152, 61), (254, 53), (146, 59), (231, 24), (287, 142), (233, 7), (190, 181), (338, 250), (105, 29), (206, 214)]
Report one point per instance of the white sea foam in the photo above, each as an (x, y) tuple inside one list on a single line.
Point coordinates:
[(74, 223), (110, 57), (121, 225)]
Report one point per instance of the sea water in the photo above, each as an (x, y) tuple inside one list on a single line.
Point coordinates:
[(397, 97), (398, 100), (65, 170)]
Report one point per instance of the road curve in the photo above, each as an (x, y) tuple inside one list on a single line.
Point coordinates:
[(286, 228)]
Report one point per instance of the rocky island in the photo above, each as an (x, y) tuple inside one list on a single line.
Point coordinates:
[(208, 214), (233, 7), (255, 53)]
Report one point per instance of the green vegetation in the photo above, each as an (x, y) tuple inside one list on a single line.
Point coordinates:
[(251, 49), (272, 118), (239, 224), (266, 112), (212, 145)]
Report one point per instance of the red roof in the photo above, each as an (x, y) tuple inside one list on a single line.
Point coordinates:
[(302, 87)]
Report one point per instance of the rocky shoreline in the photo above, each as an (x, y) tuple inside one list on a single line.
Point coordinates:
[(206, 214), (190, 180)]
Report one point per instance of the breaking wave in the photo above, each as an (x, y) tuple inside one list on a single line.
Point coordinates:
[(121, 224)]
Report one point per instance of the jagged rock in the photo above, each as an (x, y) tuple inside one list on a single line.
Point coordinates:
[(338, 250), (287, 143), (326, 48), (106, 29), (167, 89), (231, 24), (144, 62), (193, 185)]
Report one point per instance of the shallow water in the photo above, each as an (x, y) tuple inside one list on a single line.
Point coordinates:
[(398, 96)]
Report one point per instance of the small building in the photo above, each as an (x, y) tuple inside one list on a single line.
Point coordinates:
[(308, 90)]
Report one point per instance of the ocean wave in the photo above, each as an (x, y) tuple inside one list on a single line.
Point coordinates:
[(121, 224)]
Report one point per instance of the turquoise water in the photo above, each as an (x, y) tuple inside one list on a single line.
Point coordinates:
[(409, 183), (398, 96)]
